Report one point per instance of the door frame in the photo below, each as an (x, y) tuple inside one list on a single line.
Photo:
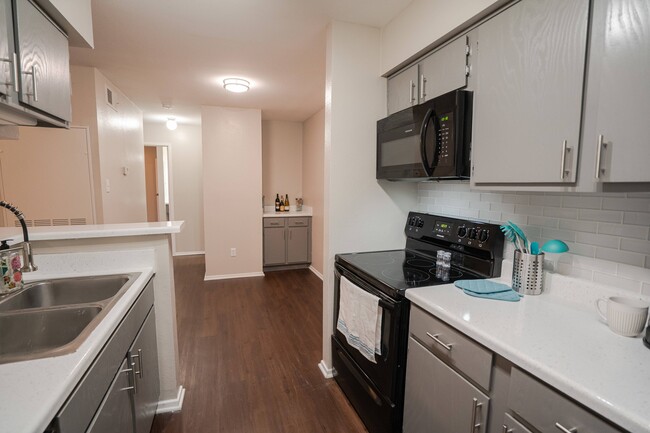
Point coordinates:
[(161, 197)]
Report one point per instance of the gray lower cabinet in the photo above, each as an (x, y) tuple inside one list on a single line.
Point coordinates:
[(511, 425), (120, 390), (616, 127), (528, 93), (438, 399), (287, 241)]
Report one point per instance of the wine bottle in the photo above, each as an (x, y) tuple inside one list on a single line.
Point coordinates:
[(286, 203), (282, 205), (277, 202)]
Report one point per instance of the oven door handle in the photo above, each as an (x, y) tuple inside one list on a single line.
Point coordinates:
[(423, 142), (386, 305)]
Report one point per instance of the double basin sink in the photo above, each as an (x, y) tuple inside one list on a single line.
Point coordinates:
[(54, 317)]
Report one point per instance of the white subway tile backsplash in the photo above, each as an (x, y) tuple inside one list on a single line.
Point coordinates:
[(627, 231), (607, 216), (582, 202), (608, 233)]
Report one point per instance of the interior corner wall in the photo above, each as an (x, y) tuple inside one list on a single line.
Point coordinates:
[(281, 160), (313, 147), (84, 113), (232, 191), (186, 166), (422, 23), (361, 213), (121, 155)]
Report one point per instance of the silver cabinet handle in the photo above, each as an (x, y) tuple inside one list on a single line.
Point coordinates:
[(16, 87), (437, 340), (423, 93), (564, 429), (34, 93), (411, 93), (564, 172), (475, 406), (131, 374), (506, 429), (290, 234), (139, 356), (601, 145)]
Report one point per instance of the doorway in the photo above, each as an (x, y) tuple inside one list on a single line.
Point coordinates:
[(156, 170)]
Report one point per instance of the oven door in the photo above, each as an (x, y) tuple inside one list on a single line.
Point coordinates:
[(387, 374)]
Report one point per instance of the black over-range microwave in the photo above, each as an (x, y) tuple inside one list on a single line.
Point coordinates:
[(427, 141)]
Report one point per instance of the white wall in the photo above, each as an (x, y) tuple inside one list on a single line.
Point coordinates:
[(313, 147), (422, 23), (360, 212), (281, 160), (186, 180), (232, 191)]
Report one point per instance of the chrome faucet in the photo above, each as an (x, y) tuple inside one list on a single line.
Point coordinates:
[(24, 247)]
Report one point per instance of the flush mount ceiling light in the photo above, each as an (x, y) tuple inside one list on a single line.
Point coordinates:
[(171, 123), (236, 85)]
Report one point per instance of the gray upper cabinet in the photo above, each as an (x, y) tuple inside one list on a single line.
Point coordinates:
[(618, 95), (528, 96), (7, 80), (402, 90), (445, 69), (44, 62)]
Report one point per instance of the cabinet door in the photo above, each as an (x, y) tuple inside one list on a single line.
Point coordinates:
[(44, 62), (402, 90), (7, 79), (618, 94), (438, 399), (528, 97), (511, 425), (144, 361), (298, 245), (116, 411), (274, 246), (444, 70)]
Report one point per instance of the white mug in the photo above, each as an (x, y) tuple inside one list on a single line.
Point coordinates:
[(624, 316)]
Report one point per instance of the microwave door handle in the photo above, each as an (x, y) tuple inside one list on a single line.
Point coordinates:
[(423, 146)]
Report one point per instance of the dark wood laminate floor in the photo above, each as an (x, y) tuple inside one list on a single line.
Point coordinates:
[(249, 353)]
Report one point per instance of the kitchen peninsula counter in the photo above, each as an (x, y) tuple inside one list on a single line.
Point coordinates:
[(557, 337), (32, 392)]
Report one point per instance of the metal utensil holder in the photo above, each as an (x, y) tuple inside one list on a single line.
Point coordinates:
[(528, 273)]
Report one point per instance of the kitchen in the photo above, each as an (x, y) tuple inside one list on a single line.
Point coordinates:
[(607, 231)]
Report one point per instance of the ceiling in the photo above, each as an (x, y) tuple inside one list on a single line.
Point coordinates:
[(173, 52)]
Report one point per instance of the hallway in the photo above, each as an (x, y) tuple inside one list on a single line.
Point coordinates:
[(249, 353)]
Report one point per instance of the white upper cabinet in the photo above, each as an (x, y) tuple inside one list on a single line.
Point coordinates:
[(528, 95), (617, 110)]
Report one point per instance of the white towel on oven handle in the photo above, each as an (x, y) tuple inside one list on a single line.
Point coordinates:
[(360, 319)]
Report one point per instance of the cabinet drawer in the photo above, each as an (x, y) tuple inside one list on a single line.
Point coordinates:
[(546, 409), (274, 222), (298, 222), (461, 352), (511, 425)]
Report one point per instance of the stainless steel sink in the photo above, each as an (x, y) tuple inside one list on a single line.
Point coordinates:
[(45, 332), (54, 317), (65, 291)]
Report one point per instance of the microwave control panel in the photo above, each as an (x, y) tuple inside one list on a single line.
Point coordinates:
[(445, 139)]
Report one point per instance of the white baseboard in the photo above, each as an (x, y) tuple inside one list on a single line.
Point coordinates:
[(318, 274), (230, 276), (174, 404), (189, 253), (328, 372)]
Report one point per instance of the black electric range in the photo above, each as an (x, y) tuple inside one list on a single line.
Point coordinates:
[(376, 390)]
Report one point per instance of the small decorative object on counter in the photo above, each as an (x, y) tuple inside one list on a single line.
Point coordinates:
[(10, 265), (299, 204), (528, 273)]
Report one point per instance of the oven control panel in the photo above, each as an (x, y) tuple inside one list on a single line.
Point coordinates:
[(460, 232)]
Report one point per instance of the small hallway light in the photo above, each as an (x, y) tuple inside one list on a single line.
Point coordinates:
[(236, 85), (171, 123)]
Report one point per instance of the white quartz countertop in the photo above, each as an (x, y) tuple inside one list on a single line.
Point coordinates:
[(269, 212), (32, 392), (561, 342), (92, 231)]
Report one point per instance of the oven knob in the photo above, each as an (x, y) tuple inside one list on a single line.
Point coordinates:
[(462, 232), (483, 235), (472, 233)]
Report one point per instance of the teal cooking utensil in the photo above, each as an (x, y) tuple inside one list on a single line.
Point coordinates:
[(519, 233), (510, 234), (555, 246), (534, 248)]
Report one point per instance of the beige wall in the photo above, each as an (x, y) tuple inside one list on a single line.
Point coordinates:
[(313, 146), (421, 24), (186, 180), (281, 160), (361, 214), (116, 143), (232, 191)]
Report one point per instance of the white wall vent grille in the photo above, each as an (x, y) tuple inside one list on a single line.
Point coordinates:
[(53, 222)]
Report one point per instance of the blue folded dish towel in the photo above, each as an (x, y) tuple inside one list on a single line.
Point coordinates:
[(488, 289)]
